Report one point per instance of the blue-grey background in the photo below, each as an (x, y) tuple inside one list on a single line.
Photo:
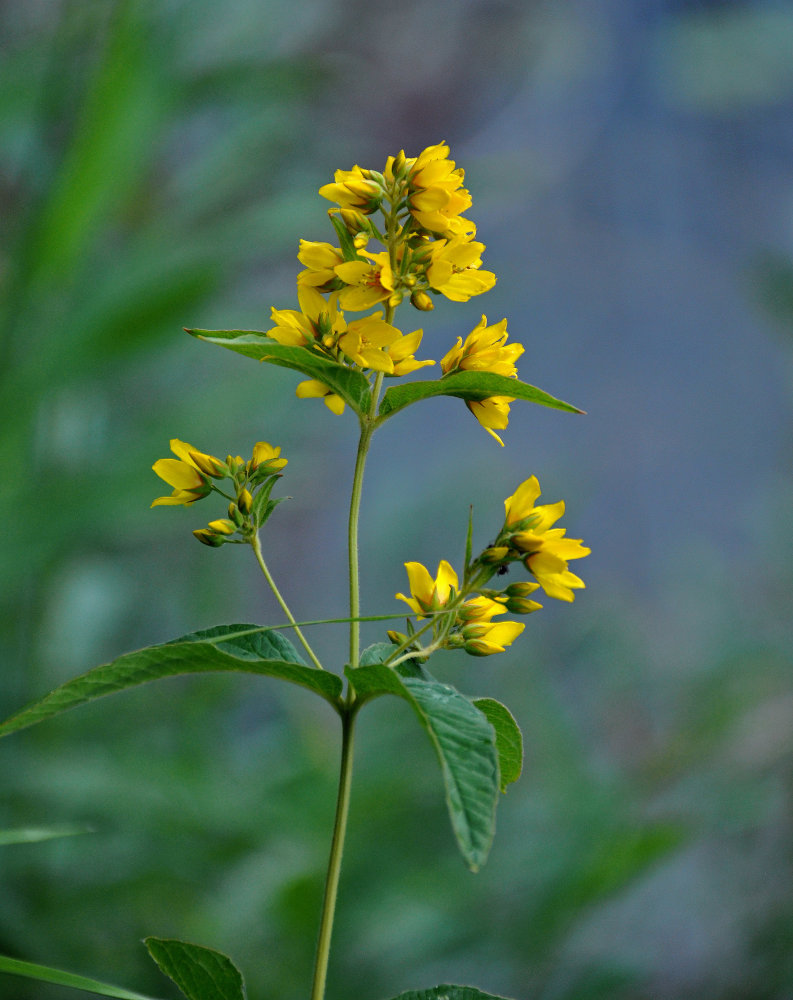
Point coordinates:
[(631, 166)]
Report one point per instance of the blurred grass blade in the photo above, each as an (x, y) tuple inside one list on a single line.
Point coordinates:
[(200, 973), (46, 975), (464, 741), (33, 834), (247, 648), (468, 385)]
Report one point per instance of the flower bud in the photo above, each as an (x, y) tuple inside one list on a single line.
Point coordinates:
[(354, 221), (396, 637), (207, 537), (245, 501), (223, 526), (209, 465), (422, 301), (522, 606), (236, 515), (399, 164), (481, 647), (394, 299), (521, 589), (494, 554)]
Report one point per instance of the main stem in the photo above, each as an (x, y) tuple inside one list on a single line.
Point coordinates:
[(348, 715)]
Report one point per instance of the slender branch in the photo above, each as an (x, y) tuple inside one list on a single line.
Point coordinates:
[(257, 549), (336, 851)]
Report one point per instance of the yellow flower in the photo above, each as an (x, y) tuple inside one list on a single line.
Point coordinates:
[(492, 413), (266, 454), (547, 549), (436, 196), (353, 189), (485, 350), (185, 474), (314, 389), (319, 260), (486, 638), (428, 594), (401, 353), (454, 269), (318, 322), (367, 340), (367, 283)]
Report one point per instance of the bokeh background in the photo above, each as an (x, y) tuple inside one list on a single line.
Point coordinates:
[(631, 166)]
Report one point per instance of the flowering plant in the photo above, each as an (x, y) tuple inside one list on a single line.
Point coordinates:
[(413, 210)]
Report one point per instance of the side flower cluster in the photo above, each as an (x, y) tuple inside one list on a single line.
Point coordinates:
[(194, 475), (459, 620)]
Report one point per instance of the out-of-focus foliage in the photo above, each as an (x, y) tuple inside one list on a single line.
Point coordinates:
[(628, 165)]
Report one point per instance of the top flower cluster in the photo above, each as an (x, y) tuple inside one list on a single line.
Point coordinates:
[(414, 210)]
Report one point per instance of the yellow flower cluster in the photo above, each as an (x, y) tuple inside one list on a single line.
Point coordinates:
[(191, 474), (462, 621), (427, 247)]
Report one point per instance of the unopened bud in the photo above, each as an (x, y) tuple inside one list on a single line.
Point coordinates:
[(521, 589), (522, 606), (422, 301), (396, 637), (354, 221), (481, 647), (394, 299), (399, 164), (360, 241), (207, 537), (245, 501), (236, 515), (209, 465), (223, 526), (495, 554)]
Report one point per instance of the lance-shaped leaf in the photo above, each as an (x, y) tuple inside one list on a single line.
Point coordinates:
[(35, 834), (44, 974), (467, 385), (247, 648), (200, 973), (464, 741), (449, 993), (351, 385), (509, 739)]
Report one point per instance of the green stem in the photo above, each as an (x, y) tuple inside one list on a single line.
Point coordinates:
[(257, 549), (348, 715)]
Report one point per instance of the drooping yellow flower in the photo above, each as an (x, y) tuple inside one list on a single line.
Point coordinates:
[(401, 353), (492, 413), (185, 474), (319, 261), (436, 195), (366, 282), (484, 350), (454, 269), (318, 322), (312, 388), (366, 342), (486, 638), (428, 594), (546, 548), (353, 189), (265, 454)]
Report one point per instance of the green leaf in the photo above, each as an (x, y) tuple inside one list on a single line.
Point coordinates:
[(247, 648), (351, 385), (46, 975), (378, 652), (449, 993), (200, 973), (465, 744), (509, 739), (33, 834), (467, 385)]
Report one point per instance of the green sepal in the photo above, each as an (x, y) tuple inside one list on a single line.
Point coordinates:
[(449, 993), (44, 974), (467, 385), (509, 739), (248, 648), (351, 385), (345, 239), (200, 973), (465, 743)]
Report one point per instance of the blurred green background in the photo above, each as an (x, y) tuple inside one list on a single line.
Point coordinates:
[(632, 173)]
